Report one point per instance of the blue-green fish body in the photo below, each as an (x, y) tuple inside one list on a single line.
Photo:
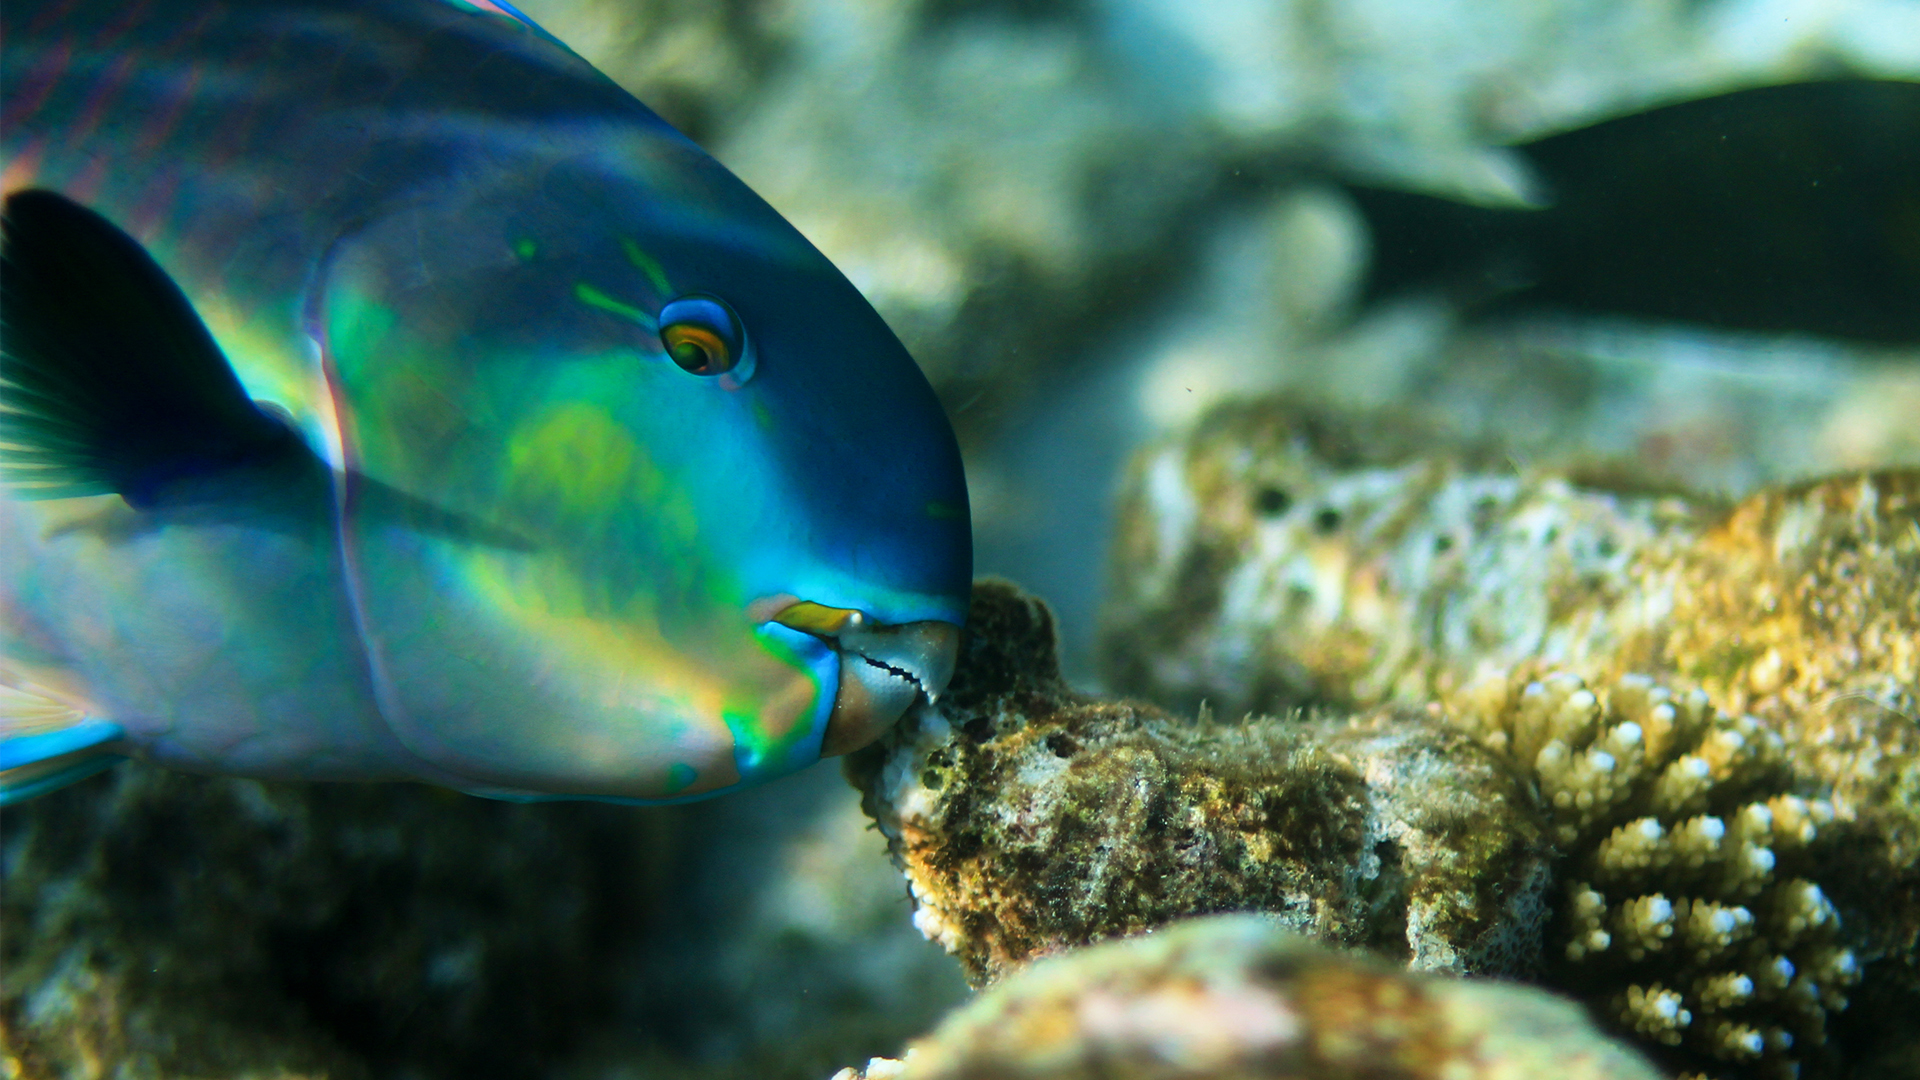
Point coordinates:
[(491, 434)]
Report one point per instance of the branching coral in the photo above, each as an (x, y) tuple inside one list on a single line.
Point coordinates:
[(1685, 916)]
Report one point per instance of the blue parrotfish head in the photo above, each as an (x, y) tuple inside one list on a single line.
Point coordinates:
[(698, 517)]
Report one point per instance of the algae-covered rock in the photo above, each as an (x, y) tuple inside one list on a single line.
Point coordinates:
[(155, 924), (1030, 819), (160, 925), (1277, 555), (1238, 998), (1264, 561)]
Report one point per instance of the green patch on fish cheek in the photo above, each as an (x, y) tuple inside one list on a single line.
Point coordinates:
[(575, 459), (585, 485), (767, 729), (411, 412), (358, 330)]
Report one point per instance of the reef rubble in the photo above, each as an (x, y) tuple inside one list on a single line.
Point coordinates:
[(1658, 662), (1652, 749), (1235, 996), (1031, 819)]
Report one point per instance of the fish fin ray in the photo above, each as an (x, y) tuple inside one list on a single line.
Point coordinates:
[(109, 380), (47, 743)]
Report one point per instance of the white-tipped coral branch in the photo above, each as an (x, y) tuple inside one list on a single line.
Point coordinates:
[(1680, 843)]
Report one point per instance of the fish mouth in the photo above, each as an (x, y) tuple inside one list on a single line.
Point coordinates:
[(884, 667)]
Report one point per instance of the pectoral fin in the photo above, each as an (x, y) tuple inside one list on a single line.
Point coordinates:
[(109, 381), (46, 743), (111, 384)]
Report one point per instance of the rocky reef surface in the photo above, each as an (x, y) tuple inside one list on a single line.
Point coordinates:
[(1235, 996), (156, 925), (1031, 819), (1688, 872), (1386, 577), (1697, 689)]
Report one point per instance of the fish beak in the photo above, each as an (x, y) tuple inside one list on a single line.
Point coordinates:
[(883, 668)]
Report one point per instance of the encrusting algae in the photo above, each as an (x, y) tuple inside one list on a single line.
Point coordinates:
[(1030, 819), (1646, 840)]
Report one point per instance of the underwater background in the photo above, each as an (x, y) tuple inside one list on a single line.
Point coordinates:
[(1416, 364)]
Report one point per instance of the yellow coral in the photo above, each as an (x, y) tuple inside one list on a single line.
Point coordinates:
[(1681, 918)]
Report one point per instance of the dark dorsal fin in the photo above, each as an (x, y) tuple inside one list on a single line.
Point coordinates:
[(109, 381)]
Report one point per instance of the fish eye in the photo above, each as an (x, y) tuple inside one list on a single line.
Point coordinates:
[(704, 336)]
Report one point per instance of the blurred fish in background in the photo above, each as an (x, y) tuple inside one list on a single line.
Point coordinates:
[(1783, 209)]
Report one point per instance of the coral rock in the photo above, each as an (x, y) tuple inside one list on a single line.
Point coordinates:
[(1275, 555), (157, 924), (1236, 998), (1030, 819)]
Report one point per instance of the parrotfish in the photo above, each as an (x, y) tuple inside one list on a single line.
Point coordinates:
[(386, 394)]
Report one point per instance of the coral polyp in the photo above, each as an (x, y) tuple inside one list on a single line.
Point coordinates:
[(1685, 916)]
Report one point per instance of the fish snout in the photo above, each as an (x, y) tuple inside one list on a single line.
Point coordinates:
[(884, 667)]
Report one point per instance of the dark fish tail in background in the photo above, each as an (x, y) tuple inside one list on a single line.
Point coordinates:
[(1787, 209)]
